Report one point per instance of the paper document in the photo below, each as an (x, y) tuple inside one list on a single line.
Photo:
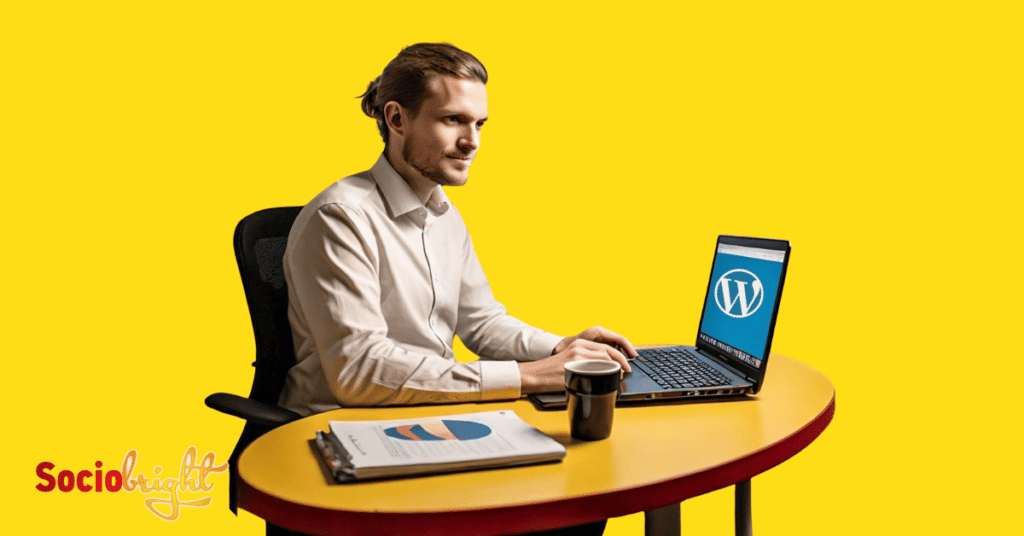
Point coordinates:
[(357, 450)]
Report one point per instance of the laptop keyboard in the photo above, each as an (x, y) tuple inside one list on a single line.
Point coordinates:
[(678, 368)]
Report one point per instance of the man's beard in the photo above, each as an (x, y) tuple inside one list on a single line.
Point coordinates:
[(432, 172)]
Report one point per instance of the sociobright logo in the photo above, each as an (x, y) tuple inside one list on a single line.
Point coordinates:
[(171, 491), (739, 293)]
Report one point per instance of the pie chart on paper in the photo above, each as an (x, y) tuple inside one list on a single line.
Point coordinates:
[(443, 430)]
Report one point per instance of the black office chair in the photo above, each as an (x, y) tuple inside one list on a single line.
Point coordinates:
[(260, 240)]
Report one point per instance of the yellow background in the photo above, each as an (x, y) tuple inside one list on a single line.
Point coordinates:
[(882, 138)]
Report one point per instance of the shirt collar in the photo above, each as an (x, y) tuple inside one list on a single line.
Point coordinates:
[(399, 196)]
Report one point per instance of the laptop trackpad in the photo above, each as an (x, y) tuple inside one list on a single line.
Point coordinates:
[(638, 382)]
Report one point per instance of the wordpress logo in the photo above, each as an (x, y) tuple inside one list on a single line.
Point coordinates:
[(739, 293)]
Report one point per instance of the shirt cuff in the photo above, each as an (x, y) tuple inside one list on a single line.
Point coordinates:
[(542, 345), (499, 380)]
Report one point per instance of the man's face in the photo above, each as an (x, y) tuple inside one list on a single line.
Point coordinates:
[(443, 138)]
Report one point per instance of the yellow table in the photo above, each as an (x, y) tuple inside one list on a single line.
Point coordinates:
[(657, 456)]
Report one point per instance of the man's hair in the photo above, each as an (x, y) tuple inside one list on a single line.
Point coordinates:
[(404, 80)]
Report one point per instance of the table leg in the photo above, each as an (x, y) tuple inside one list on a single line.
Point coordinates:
[(662, 522), (744, 526)]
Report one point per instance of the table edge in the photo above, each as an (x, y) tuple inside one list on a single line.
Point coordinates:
[(519, 518)]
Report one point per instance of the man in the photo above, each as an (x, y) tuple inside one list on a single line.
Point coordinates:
[(382, 273)]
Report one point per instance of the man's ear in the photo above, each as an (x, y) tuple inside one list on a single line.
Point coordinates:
[(394, 114)]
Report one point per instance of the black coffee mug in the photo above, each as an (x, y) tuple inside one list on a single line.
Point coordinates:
[(592, 386)]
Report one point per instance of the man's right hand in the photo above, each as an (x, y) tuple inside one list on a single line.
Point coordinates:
[(548, 375)]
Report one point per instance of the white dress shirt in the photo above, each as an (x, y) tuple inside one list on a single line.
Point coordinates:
[(378, 285)]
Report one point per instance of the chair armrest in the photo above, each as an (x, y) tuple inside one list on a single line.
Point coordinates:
[(251, 410)]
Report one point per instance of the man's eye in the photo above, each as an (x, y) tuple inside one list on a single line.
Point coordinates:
[(453, 118)]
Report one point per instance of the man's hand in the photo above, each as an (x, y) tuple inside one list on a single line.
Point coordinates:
[(548, 374)]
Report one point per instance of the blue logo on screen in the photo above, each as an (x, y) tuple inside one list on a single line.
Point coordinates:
[(739, 293)]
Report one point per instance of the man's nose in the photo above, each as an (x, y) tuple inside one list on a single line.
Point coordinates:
[(470, 140)]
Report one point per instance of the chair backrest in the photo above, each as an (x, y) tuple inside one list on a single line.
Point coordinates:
[(260, 239)]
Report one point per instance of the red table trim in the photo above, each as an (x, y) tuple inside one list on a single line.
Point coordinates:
[(531, 517)]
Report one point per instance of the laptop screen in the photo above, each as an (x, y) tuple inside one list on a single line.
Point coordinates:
[(745, 284)]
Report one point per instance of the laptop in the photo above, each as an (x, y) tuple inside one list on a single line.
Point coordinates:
[(734, 336)]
